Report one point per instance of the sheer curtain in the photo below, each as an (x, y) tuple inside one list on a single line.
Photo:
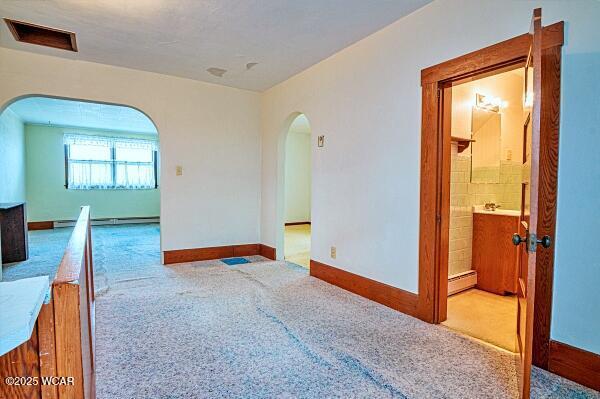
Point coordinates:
[(89, 162), (134, 163), (96, 162)]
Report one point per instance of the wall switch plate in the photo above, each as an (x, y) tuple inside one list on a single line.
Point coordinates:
[(178, 170), (333, 252), (320, 141)]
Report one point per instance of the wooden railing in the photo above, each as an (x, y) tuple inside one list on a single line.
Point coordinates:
[(60, 352)]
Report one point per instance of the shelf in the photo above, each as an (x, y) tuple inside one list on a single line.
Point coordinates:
[(463, 143)]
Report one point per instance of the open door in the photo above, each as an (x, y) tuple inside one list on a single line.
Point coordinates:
[(527, 237)]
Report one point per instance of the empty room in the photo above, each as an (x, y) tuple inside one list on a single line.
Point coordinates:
[(299, 199)]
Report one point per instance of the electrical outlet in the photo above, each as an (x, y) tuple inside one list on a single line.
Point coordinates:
[(178, 170), (333, 252)]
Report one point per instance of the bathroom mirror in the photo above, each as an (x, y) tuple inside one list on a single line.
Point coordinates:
[(485, 150)]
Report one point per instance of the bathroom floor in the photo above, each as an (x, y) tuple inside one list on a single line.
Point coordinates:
[(297, 244), (489, 317)]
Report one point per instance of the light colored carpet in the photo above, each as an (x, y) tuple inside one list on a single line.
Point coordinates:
[(486, 316), (46, 249), (267, 329)]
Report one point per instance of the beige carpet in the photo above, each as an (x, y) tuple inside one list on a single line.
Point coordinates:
[(485, 316), (297, 244)]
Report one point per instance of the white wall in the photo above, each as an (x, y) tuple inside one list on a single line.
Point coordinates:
[(212, 131), (12, 158), (366, 101), (297, 177)]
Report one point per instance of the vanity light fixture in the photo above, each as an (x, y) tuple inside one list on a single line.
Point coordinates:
[(488, 103)]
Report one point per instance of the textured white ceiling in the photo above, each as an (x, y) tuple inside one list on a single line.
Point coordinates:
[(186, 37), (52, 111)]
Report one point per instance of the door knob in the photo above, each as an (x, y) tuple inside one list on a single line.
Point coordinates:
[(517, 239), (546, 241)]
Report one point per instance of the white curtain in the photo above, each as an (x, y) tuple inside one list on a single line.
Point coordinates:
[(134, 163), (97, 162)]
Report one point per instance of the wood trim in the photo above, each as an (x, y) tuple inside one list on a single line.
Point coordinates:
[(47, 349), (491, 57), (434, 180), (72, 262), (429, 213), (384, 294), (296, 223), (547, 200), (210, 253), (575, 364), (47, 225), (268, 252), (246, 250)]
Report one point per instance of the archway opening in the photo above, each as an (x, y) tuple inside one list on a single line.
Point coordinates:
[(297, 192), (57, 155)]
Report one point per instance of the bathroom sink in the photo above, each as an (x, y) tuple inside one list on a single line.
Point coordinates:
[(497, 211)]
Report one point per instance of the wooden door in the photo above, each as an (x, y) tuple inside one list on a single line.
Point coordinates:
[(527, 236)]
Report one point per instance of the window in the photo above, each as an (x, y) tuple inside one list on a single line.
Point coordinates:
[(97, 162)]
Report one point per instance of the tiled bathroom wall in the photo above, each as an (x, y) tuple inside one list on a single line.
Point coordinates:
[(464, 195)]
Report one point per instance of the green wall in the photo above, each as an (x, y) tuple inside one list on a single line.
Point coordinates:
[(12, 158), (47, 197)]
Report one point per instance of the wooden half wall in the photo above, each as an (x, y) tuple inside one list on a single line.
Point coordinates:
[(63, 339)]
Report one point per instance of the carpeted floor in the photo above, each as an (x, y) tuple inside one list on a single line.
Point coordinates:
[(267, 329)]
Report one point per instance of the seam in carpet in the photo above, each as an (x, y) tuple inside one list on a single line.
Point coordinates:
[(294, 338), (357, 366)]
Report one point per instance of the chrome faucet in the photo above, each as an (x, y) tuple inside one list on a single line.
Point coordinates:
[(490, 206)]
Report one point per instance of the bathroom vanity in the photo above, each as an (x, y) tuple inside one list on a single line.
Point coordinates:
[(495, 258)]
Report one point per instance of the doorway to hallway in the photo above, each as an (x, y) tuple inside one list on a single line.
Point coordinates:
[(297, 192)]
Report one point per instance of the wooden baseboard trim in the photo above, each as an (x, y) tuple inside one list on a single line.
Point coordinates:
[(46, 225), (575, 364), (395, 298), (296, 223), (210, 253), (267, 251)]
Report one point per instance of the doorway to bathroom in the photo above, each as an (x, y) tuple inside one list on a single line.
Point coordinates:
[(297, 192), (486, 127), (537, 222)]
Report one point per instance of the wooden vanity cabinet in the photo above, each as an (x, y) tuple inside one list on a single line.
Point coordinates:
[(495, 257)]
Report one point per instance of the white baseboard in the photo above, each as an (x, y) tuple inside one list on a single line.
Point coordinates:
[(462, 281), (100, 222)]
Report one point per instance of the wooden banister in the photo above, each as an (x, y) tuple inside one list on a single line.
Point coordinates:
[(73, 260), (63, 342)]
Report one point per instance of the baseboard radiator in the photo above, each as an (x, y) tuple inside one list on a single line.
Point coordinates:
[(99, 222), (462, 281)]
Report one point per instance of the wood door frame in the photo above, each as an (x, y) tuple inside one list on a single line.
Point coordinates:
[(436, 83)]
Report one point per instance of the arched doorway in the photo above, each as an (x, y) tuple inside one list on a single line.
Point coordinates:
[(59, 154), (297, 192)]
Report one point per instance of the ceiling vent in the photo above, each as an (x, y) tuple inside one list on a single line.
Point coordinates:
[(42, 35)]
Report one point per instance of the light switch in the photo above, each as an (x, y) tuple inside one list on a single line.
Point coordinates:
[(320, 141), (178, 170)]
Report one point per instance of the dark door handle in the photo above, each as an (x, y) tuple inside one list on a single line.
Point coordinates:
[(546, 241), (517, 239)]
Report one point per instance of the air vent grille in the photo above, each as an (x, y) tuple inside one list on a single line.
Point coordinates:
[(41, 35)]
